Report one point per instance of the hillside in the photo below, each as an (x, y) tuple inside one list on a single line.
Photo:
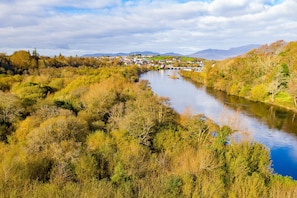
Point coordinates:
[(267, 74), (217, 54)]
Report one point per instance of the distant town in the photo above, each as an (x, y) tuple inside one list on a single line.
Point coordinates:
[(160, 61)]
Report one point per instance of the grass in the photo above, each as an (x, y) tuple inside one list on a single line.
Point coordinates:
[(182, 58)]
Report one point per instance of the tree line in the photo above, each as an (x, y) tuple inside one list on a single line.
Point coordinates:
[(23, 61)]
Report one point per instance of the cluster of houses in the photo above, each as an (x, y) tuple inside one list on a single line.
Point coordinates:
[(136, 60), (161, 63)]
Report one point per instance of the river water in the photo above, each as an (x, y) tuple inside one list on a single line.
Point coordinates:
[(274, 127)]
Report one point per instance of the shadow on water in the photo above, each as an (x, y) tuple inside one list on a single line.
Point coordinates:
[(274, 117)]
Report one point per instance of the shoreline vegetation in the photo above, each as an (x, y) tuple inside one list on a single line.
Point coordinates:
[(267, 74), (85, 127)]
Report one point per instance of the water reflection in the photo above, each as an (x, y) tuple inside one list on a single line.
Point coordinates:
[(270, 125), (274, 117)]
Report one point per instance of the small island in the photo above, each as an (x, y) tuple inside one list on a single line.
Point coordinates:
[(173, 76)]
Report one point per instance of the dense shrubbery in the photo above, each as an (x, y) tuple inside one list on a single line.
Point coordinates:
[(267, 74), (96, 132)]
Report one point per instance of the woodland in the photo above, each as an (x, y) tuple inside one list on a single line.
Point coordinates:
[(87, 127)]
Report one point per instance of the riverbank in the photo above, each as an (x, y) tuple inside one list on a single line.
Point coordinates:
[(196, 77), (267, 74)]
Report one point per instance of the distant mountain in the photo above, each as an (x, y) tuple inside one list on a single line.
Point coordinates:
[(218, 54), (171, 54), (147, 53), (210, 54)]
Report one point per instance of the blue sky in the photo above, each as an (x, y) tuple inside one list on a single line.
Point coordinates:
[(75, 27)]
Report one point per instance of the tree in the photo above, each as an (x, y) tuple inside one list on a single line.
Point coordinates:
[(5, 66), (292, 88), (279, 81), (11, 111), (101, 147), (56, 130), (21, 60), (143, 117), (31, 92), (116, 113), (59, 139), (196, 132), (140, 122), (275, 87)]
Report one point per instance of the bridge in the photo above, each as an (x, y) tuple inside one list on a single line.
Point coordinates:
[(197, 69)]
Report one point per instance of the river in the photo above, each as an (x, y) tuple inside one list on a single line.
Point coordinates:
[(274, 127)]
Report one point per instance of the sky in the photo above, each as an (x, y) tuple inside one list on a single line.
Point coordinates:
[(76, 27)]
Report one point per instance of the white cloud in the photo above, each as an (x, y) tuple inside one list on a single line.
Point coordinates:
[(228, 8), (163, 26)]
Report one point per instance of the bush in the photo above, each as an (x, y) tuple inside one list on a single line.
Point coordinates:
[(234, 89), (244, 91), (32, 91), (259, 92)]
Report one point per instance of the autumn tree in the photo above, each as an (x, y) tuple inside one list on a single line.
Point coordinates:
[(279, 81), (31, 92), (140, 120), (196, 131), (11, 112), (144, 116), (59, 139), (5, 66), (292, 88), (22, 60)]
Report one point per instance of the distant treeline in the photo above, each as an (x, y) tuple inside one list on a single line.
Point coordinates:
[(24, 61)]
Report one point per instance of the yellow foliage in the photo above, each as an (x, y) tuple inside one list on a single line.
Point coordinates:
[(25, 127), (51, 135), (192, 161), (259, 92), (282, 187), (99, 142), (141, 149), (248, 186), (56, 83), (209, 185)]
